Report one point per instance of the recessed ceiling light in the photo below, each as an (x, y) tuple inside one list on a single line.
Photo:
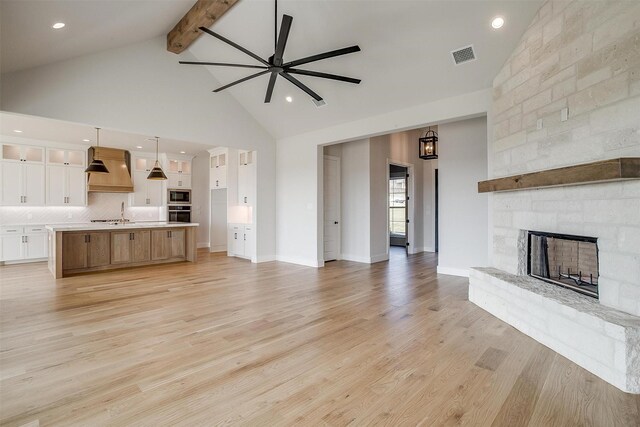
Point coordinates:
[(138, 146), (183, 152), (86, 140), (497, 22), (58, 25), (289, 99), (17, 131)]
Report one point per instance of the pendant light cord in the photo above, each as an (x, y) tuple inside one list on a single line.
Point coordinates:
[(97, 143), (275, 28)]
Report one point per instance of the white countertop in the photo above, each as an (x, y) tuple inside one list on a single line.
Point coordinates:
[(101, 226)]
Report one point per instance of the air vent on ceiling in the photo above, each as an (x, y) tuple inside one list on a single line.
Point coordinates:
[(464, 54)]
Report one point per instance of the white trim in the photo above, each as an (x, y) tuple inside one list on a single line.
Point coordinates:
[(454, 271), (23, 261), (379, 258), (201, 245), (356, 258), (299, 261), (265, 258)]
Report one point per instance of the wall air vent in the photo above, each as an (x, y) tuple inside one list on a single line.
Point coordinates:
[(464, 54)]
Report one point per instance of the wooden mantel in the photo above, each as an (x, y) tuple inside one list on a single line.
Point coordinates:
[(203, 14), (602, 171)]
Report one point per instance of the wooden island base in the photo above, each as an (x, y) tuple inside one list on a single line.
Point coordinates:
[(88, 250)]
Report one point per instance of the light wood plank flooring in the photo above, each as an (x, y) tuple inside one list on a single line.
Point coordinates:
[(224, 341)]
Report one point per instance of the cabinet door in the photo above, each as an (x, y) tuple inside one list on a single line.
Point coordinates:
[(222, 177), (160, 245), (76, 186), (139, 196), (11, 183), (155, 190), (248, 241), (242, 184), (141, 246), (177, 244), (185, 181), (238, 240), (99, 251), (33, 176), (174, 180), (121, 247), (35, 246), (12, 247), (74, 251), (56, 185)]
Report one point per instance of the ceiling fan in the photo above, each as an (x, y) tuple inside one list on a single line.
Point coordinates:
[(276, 65)]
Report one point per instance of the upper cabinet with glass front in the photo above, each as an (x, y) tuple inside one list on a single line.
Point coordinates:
[(22, 153), (179, 173), (57, 156)]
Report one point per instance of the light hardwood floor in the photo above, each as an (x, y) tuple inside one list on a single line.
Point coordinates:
[(224, 341)]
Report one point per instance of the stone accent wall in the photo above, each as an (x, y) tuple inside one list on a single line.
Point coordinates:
[(584, 56)]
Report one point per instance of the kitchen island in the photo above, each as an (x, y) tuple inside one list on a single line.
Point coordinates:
[(82, 248)]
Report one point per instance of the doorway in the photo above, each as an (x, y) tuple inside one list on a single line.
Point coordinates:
[(436, 213), (398, 205)]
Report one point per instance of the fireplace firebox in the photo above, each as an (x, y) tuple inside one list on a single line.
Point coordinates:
[(565, 260)]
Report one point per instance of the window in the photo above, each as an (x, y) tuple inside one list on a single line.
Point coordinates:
[(398, 206)]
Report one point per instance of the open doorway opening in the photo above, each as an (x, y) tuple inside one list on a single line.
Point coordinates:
[(397, 215)]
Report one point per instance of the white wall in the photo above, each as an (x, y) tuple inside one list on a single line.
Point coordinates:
[(463, 213), (299, 203), (142, 89)]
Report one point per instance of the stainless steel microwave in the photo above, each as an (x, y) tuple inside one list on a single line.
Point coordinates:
[(179, 197)]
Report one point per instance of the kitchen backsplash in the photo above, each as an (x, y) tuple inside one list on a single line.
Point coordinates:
[(100, 206)]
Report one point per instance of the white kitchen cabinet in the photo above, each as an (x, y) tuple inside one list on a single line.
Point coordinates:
[(178, 180), (23, 243), (246, 178), (23, 184), (241, 241), (146, 192), (57, 156), (218, 169), (66, 185), (179, 173)]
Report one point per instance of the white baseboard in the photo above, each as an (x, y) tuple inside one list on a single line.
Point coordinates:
[(428, 249), (265, 258), (23, 261), (355, 258), (218, 248), (201, 245), (454, 271), (299, 261), (379, 258)]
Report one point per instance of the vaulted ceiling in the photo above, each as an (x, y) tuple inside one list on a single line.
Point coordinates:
[(405, 58)]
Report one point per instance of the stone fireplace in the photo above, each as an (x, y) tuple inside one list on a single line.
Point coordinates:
[(569, 95)]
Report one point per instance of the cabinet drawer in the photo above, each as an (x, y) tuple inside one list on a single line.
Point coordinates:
[(7, 229), (35, 229)]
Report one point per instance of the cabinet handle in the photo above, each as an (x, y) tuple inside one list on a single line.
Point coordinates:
[(245, 237), (235, 236), (22, 239), (88, 238), (245, 199), (25, 199), (26, 239), (216, 182)]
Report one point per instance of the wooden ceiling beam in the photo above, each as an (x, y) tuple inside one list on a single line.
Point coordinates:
[(202, 14)]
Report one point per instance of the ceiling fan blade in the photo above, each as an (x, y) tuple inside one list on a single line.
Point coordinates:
[(237, 46), (222, 64), (272, 83), (301, 86), (244, 79), (325, 55), (285, 27), (323, 75)]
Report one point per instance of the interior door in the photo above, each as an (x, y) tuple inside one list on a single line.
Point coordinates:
[(331, 208)]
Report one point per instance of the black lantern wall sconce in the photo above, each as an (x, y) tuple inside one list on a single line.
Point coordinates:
[(428, 145)]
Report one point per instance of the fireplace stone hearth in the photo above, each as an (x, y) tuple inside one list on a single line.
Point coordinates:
[(602, 340)]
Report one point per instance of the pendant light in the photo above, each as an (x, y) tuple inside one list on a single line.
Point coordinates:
[(156, 172), (428, 145), (97, 165)]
